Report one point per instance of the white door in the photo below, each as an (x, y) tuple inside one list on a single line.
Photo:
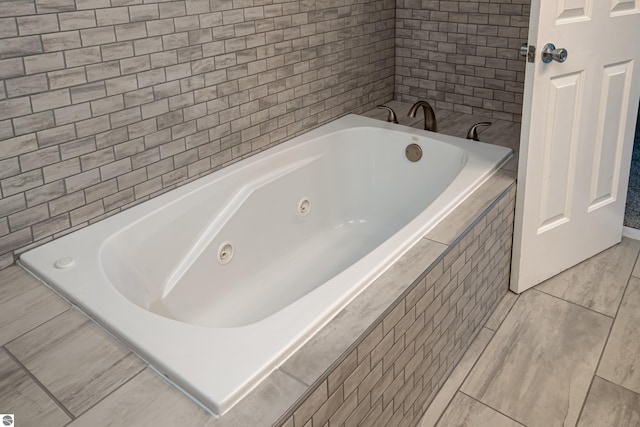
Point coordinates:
[(577, 135)]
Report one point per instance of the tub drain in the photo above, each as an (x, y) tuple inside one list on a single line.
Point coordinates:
[(413, 152), (225, 253), (304, 206)]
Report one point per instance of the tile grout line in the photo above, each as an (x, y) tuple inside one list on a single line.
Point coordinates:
[(465, 377), (107, 395), (618, 385), (36, 327), (49, 393), (505, 316), (290, 375), (604, 347), (477, 359), (494, 409), (40, 385), (588, 308), (575, 303)]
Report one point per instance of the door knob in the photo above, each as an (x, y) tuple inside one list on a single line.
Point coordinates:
[(550, 53)]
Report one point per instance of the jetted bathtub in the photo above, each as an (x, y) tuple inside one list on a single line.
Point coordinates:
[(217, 282)]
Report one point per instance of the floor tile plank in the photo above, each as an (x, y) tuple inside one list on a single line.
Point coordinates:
[(620, 362), (501, 311), (21, 396), (24, 303), (76, 360), (146, 400), (460, 372), (465, 411), (609, 405), (539, 365), (264, 404), (597, 283)]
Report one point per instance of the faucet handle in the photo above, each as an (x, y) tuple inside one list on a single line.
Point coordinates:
[(392, 117), (473, 130)]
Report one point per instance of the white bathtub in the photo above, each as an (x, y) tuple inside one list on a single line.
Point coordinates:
[(310, 223)]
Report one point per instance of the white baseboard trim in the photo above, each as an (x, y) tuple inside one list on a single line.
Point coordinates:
[(631, 233)]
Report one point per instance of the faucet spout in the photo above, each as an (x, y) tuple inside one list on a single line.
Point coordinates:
[(430, 122)]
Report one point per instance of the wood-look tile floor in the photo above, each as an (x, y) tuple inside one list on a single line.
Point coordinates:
[(565, 353)]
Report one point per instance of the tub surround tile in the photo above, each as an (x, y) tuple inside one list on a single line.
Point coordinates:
[(458, 221), (501, 132), (25, 303), (466, 411), (317, 355), (6, 260), (24, 398), (501, 311), (609, 405), (599, 282), (512, 165), (450, 388), (145, 400), (458, 124), (75, 359), (505, 134), (538, 367), (266, 403), (321, 351), (620, 362), (397, 279)]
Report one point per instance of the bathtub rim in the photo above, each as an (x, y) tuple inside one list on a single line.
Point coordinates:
[(160, 201)]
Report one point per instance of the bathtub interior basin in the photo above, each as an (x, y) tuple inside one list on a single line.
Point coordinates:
[(262, 240), (217, 282)]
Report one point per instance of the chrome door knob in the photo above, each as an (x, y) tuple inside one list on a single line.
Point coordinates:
[(550, 53)]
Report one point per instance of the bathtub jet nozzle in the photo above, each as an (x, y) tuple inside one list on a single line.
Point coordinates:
[(304, 207), (225, 252)]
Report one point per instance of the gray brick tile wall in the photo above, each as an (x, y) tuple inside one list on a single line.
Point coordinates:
[(399, 366), (105, 103), (181, 88), (462, 55)]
